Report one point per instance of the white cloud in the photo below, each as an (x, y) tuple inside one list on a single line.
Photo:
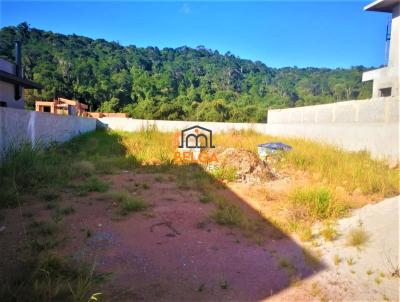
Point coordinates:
[(185, 9)]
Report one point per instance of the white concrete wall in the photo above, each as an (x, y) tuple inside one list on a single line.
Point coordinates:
[(378, 110), (371, 125), (18, 126), (132, 125)]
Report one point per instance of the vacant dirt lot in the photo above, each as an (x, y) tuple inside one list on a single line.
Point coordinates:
[(153, 232)]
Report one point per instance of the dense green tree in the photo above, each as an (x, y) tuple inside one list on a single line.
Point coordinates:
[(174, 84)]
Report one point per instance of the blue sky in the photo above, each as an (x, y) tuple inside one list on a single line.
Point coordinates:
[(278, 33)]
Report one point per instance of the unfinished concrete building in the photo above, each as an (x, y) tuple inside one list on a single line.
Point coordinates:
[(386, 80), (62, 106), (13, 82)]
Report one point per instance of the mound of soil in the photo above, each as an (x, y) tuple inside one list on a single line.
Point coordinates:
[(248, 165)]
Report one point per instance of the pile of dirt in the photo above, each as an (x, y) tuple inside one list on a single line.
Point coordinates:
[(249, 167)]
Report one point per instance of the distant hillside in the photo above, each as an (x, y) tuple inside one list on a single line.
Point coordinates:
[(181, 83)]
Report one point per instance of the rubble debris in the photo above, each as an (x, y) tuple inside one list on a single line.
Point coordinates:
[(248, 165)]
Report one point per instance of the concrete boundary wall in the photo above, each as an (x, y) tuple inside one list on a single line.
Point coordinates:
[(378, 110), (371, 125), (17, 125), (132, 125)]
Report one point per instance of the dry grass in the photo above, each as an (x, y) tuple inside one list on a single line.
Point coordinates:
[(150, 146), (357, 237), (329, 232), (350, 170)]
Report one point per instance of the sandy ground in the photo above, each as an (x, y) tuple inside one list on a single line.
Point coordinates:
[(369, 278)]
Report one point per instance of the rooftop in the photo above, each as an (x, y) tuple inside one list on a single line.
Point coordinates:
[(382, 6)]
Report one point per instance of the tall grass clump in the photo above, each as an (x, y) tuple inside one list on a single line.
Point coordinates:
[(350, 170), (26, 169), (315, 203), (150, 146), (225, 173)]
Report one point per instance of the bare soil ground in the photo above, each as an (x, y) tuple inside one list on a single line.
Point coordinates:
[(174, 251)]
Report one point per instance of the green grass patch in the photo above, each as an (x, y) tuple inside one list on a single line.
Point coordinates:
[(224, 173), (314, 203), (92, 184), (128, 203), (228, 214)]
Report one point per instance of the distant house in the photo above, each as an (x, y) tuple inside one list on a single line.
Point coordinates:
[(62, 106), (386, 80), (13, 82)]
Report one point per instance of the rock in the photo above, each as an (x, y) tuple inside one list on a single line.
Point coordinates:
[(2, 228)]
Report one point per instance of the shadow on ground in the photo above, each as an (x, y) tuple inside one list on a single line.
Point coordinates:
[(174, 250)]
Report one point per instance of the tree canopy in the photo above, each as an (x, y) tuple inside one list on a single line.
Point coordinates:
[(174, 84)]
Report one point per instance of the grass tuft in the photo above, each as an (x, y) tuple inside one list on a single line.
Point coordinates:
[(225, 173), (92, 184), (314, 203), (329, 232), (357, 237), (228, 214), (128, 203)]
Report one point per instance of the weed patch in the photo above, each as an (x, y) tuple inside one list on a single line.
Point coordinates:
[(228, 214), (224, 173), (128, 203), (92, 184), (314, 203)]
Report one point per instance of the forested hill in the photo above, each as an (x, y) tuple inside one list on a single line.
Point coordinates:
[(181, 83)]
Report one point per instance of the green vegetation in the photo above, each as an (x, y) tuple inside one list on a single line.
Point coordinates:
[(225, 173), (34, 174), (52, 278), (175, 84), (314, 203), (338, 168), (329, 232), (128, 203), (92, 184), (228, 214)]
